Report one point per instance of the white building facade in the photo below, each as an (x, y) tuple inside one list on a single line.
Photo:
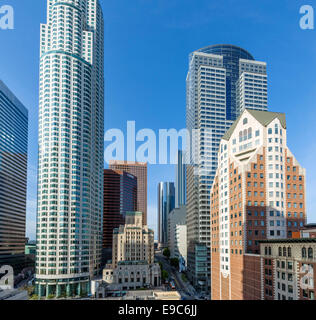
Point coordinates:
[(71, 147), (258, 194), (177, 242)]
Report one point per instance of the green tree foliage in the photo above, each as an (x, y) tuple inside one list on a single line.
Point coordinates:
[(166, 253)]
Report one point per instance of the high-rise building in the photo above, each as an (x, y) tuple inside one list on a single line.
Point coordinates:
[(166, 203), (180, 180), (13, 173), (71, 148), (139, 170), (222, 80), (120, 196), (258, 193)]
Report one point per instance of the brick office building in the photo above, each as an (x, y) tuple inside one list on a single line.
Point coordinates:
[(139, 170), (120, 196), (258, 193)]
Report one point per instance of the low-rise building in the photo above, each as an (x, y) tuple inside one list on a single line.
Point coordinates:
[(288, 269), (132, 275)]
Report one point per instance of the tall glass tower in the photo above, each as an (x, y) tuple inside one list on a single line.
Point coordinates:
[(180, 180), (13, 173), (222, 81), (166, 203), (71, 147)]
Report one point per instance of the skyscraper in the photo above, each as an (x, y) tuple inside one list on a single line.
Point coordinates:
[(180, 180), (71, 148), (221, 82), (258, 194), (139, 170), (120, 196), (166, 203), (13, 173)]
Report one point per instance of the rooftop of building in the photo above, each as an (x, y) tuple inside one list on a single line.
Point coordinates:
[(133, 263), (290, 240), (10, 95), (264, 117), (128, 163), (224, 49), (310, 226), (134, 213)]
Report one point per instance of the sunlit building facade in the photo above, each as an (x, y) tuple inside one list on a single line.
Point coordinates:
[(258, 194), (71, 148), (221, 82)]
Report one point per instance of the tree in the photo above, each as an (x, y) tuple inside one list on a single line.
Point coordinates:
[(166, 253), (164, 275), (174, 262)]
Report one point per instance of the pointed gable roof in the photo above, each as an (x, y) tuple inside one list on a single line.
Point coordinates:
[(264, 117)]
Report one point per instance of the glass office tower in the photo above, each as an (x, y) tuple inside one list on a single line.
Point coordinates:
[(71, 148), (166, 203), (222, 81), (13, 173), (120, 196), (180, 180)]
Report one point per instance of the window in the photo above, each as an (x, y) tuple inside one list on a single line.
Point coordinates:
[(304, 253), (245, 121), (310, 253)]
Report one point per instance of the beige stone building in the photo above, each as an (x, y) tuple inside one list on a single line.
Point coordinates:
[(132, 264), (133, 241)]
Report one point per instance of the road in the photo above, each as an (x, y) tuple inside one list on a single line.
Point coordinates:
[(186, 291)]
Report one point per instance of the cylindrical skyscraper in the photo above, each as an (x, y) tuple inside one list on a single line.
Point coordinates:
[(71, 147)]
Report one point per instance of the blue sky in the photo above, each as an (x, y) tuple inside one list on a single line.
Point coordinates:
[(147, 43)]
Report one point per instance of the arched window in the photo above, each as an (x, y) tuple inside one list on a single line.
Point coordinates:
[(240, 136), (249, 133), (270, 252), (284, 252), (280, 251), (245, 134), (245, 121), (310, 253), (289, 252), (303, 252), (266, 251)]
